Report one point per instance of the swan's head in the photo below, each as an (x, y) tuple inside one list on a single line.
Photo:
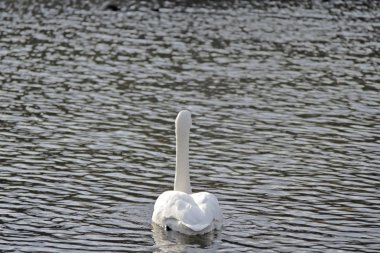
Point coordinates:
[(183, 120)]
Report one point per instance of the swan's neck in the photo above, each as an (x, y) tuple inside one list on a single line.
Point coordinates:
[(182, 177)]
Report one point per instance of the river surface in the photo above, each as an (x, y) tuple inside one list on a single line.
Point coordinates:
[(285, 101)]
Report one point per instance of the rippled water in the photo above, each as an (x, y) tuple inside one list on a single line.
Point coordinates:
[(286, 123)]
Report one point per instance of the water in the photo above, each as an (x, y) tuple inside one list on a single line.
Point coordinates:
[(286, 123)]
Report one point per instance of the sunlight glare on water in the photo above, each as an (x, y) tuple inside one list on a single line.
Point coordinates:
[(286, 123)]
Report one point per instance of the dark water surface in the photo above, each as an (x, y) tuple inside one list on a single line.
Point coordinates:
[(286, 123)]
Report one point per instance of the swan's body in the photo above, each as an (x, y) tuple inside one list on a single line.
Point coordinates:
[(180, 210)]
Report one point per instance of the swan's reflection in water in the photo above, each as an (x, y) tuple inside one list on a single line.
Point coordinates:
[(171, 241)]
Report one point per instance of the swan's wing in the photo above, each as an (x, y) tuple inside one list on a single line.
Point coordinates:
[(209, 204), (183, 212), (176, 209)]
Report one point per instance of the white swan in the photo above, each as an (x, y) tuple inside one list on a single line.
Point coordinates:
[(179, 210)]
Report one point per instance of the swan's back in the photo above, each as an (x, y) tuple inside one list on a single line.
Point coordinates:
[(196, 213)]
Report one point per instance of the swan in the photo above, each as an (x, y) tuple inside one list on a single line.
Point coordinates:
[(181, 210)]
